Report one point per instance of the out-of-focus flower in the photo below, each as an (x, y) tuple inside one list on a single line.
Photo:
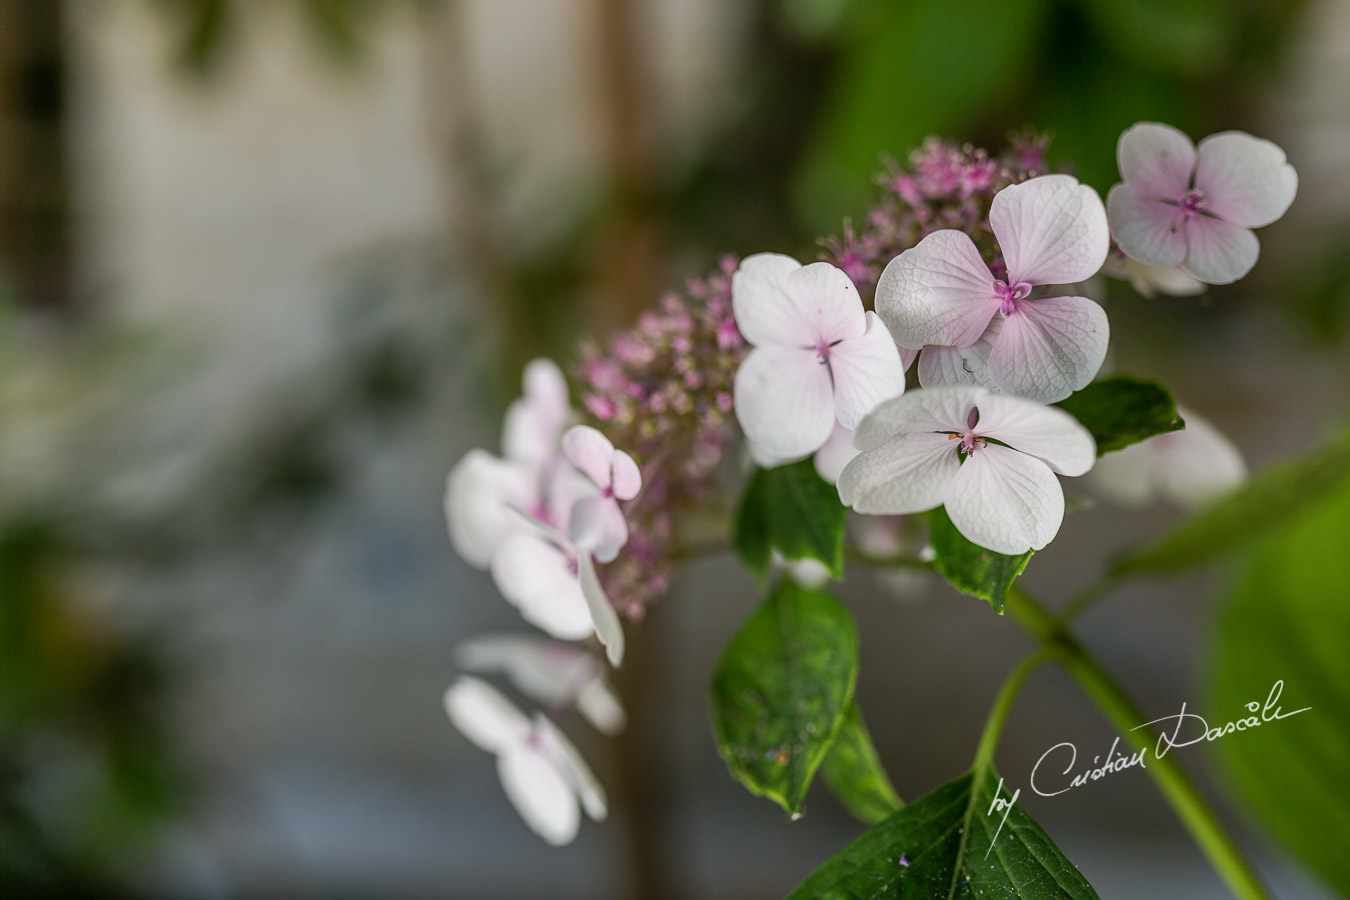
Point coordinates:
[(1191, 468), (835, 454), (596, 523), (818, 357), (1051, 231), (534, 421), (541, 771), (937, 447), (1196, 208), (1149, 281)]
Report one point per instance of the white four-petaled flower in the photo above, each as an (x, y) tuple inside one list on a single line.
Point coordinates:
[(1052, 231), (1194, 207), (817, 357), (990, 459)]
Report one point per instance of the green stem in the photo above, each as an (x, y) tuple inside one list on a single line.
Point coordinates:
[(1175, 785), (998, 713), (1086, 598)]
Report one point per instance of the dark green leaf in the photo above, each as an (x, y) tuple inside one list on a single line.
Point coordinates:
[(781, 691), (855, 774), (1286, 619), (1189, 38), (1121, 411), (793, 510), (940, 847), (1267, 502), (970, 568)]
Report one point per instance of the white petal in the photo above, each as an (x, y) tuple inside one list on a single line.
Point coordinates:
[(838, 450), (1156, 160), (763, 313), (785, 401), (573, 767), (546, 671), (1170, 280), (1126, 477), (1146, 229), (534, 422), (536, 577), (866, 370), (599, 704), (907, 474), (825, 297), (1050, 348), (811, 574), (939, 291), (1219, 252), (565, 486), (598, 527), (591, 452), (605, 620), (1200, 463), (1051, 229), (940, 366), (907, 356), (540, 793), (942, 408), (1005, 501), (627, 476), (480, 492), (1045, 432), (483, 715), (1246, 180)]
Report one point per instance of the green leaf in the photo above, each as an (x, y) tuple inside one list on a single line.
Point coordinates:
[(855, 774), (1286, 619), (940, 847), (1267, 502), (1189, 38), (793, 510), (1123, 410), (781, 692), (970, 568)]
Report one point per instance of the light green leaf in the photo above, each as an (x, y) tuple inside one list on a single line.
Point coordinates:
[(854, 772), (1121, 411), (781, 692), (943, 846), (970, 568), (793, 510), (1286, 618), (1267, 502)]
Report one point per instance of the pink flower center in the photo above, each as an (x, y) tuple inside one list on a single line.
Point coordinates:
[(970, 441), (823, 353), (1193, 201), (1010, 295)]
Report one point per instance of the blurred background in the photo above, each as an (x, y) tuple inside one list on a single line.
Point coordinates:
[(269, 267)]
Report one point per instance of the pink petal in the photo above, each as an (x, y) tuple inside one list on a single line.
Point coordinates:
[(907, 474), (536, 577), (483, 715), (1220, 252), (597, 526), (785, 401), (1052, 230), (627, 476), (1147, 230), (1050, 348), (866, 370), (954, 365), (1156, 161), (937, 292), (1245, 179), (591, 452), (540, 793), (1045, 432), (1006, 501), (763, 314), (826, 298), (603, 618), (931, 409)]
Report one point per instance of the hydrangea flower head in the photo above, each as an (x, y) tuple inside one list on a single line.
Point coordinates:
[(990, 459), (1051, 231), (1195, 207)]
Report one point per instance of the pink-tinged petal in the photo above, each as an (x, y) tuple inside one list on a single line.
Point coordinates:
[(907, 474), (1045, 432), (1170, 280), (940, 366), (537, 578), (480, 494), (605, 620), (763, 312), (1246, 180), (866, 370), (564, 487), (598, 527), (627, 476), (939, 291), (573, 767), (837, 452), (1005, 501), (545, 670), (534, 422), (931, 409), (1050, 348), (1156, 161), (1051, 229), (1200, 463), (483, 715), (825, 297), (540, 793), (907, 356), (591, 452), (784, 401), (1220, 252), (1147, 230)]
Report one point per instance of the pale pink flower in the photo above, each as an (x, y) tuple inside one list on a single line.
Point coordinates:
[(1051, 231), (990, 459), (1194, 207), (818, 357), (1149, 281), (596, 524)]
